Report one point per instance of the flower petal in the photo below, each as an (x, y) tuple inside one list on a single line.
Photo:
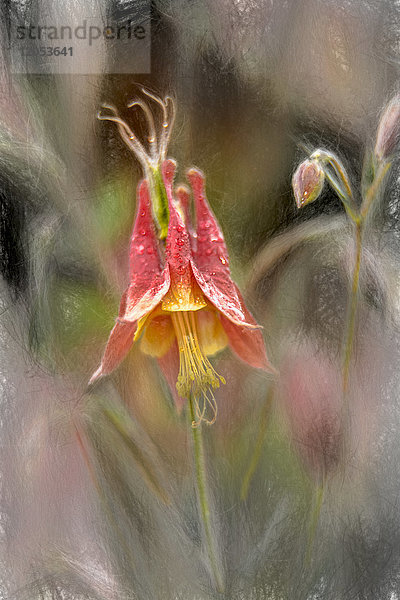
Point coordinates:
[(211, 261), (212, 337), (148, 282), (158, 336), (184, 294), (169, 365), (248, 344), (118, 345), (182, 195), (178, 250)]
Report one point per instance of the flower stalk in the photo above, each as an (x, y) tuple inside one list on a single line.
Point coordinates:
[(318, 494), (337, 177), (203, 497)]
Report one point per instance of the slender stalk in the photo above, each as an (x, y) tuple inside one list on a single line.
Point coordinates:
[(81, 438), (262, 430), (345, 193), (352, 312), (202, 492), (359, 226), (318, 501), (141, 460)]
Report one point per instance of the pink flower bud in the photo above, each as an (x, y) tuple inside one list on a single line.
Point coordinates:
[(388, 129), (307, 182)]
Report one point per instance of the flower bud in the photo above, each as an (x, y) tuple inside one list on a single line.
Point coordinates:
[(307, 182), (388, 129)]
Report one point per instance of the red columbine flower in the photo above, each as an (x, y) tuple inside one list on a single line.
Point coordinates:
[(181, 304)]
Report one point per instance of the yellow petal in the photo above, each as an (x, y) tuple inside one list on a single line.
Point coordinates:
[(212, 337), (183, 298), (158, 336)]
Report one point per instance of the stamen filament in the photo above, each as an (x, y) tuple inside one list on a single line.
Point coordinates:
[(196, 376)]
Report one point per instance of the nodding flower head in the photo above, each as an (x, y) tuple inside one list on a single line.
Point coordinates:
[(181, 304), (308, 182), (151, 154)]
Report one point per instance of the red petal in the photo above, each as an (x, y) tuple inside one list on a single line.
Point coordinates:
[(148, 282), (169, 365), (183, 196), (143, 253), (211, 268), (178, 250), (118, 345), (248, 344)]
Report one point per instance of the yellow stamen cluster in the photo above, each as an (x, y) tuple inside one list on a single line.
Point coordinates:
[(197, 377)]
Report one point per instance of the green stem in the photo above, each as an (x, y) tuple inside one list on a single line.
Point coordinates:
[(352, 313), (121, 425), (359, 220), (109, 510), (262, 430), (373, 189), (202, 492), (319, 497), (345, 193)]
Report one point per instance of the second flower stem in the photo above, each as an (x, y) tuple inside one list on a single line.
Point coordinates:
[(352, 311), (202, 492)]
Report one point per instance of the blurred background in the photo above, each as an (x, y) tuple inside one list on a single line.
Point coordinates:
[(98, 497)]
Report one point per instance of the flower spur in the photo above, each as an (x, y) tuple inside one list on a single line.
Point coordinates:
[(181, 304), (152, 158)]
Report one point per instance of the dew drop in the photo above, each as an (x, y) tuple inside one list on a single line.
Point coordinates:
[(140, 249)]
